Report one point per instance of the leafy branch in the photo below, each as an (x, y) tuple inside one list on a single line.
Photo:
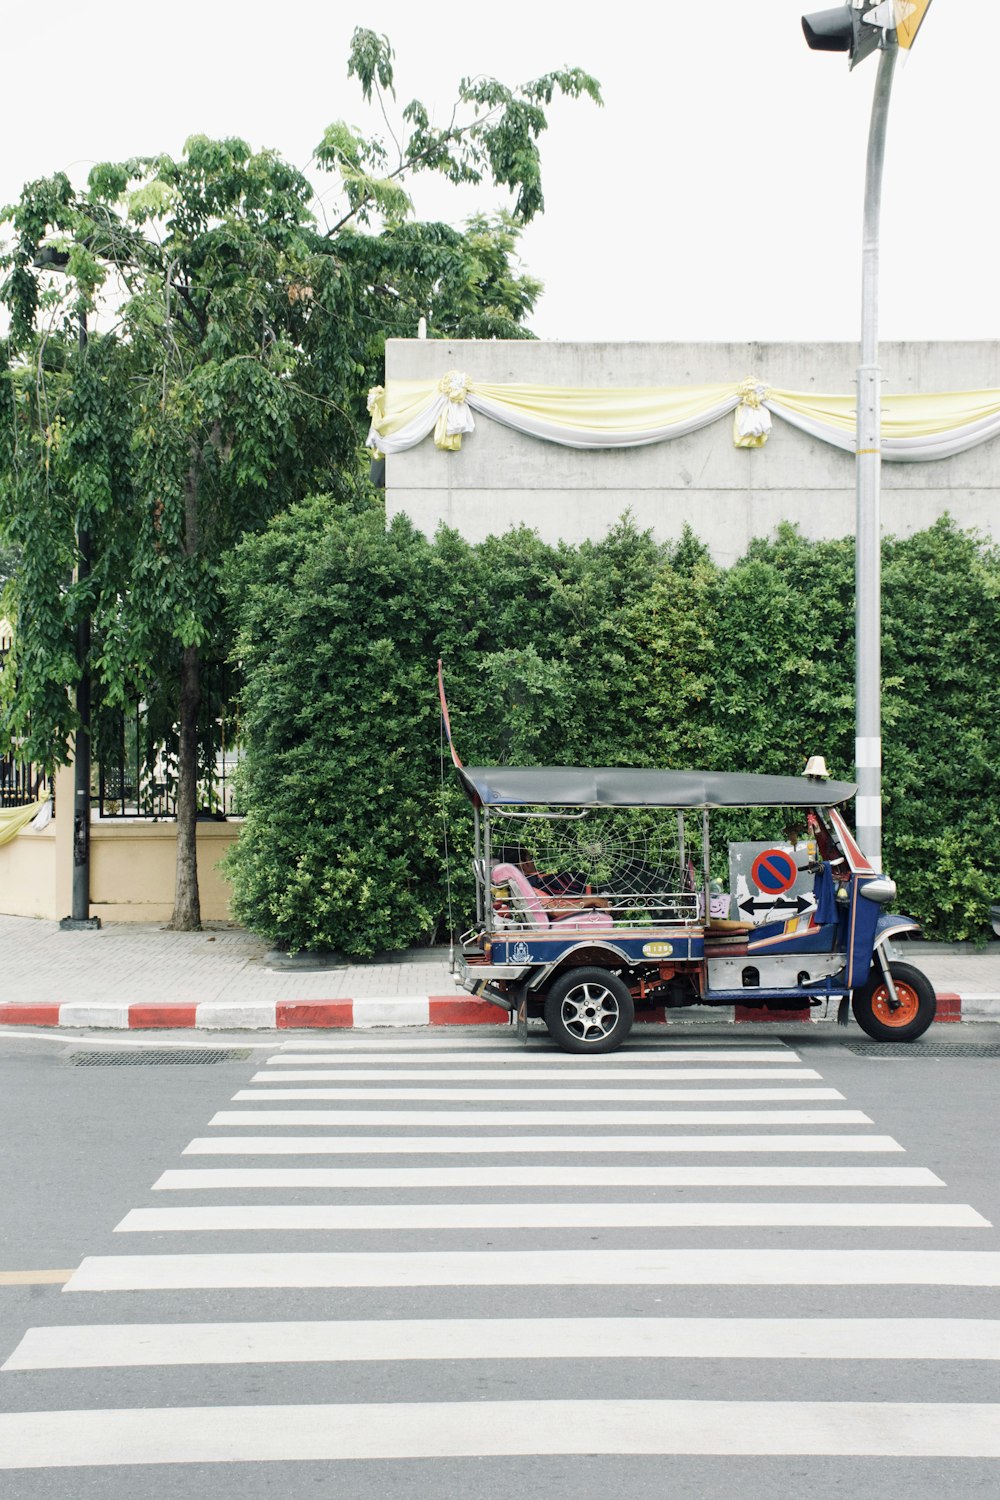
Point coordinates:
[(499, 140)]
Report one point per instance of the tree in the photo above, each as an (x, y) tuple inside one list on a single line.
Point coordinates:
[(244, 334)]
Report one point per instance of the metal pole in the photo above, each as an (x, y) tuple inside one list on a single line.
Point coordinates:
[(81, 751), (488, 866), (81, 746), (868, 560)]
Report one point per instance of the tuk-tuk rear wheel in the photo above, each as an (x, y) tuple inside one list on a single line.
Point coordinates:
[(874, 1012), (589, 1010)]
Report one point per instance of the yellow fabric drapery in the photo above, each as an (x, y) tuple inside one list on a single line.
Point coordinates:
[(628, 413), (13, 819), (915, 426), (905, 416)]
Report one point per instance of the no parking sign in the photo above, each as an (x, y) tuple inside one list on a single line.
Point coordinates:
[(771, 882), (773, 872)]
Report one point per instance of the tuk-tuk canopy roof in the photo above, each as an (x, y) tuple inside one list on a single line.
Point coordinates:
[(615, 786)]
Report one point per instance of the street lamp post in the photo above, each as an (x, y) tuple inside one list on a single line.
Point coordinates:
[(859, 28), (868, 479)]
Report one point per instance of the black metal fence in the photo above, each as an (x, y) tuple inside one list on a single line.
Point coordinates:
[(21, 783), (128, 786), (137, 773)]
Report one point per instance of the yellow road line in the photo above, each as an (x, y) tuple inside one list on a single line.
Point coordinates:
[(33, 1278)]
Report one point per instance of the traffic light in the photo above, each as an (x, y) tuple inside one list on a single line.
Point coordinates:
[(845, 28)]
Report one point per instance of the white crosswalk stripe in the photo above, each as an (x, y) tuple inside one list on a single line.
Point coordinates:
[(607, 1075), (538, 1066), (475, 1429), (592, 1223), (88, 1346), (552, 1216), (451, 1268), (212, 1178), (448, 1118), (419, 1047), (592, 1095), (479, 1145)]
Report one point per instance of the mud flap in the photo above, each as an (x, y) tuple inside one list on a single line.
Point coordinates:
[(522, 1013), (842, 1010)]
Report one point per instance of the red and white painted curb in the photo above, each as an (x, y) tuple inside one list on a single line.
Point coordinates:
[(294, 1015), (260, 1015)]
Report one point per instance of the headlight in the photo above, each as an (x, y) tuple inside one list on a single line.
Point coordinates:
[(881, 889)]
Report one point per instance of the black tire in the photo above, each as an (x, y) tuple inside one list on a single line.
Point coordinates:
[(589, 1010), (874, 1014)]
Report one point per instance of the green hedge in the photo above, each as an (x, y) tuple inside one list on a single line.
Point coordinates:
[(619, 652)]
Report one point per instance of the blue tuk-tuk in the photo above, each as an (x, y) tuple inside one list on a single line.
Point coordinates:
[(598, 896)]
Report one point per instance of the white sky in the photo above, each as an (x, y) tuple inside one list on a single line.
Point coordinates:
[(717, 195)]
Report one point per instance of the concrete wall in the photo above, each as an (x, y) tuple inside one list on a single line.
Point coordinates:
[(27, 875), (132, 866), (728, 495)]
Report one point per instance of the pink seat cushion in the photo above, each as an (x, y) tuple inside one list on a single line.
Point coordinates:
[(531, 903)]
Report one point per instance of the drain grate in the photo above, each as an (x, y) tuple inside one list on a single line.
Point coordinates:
[(923, 1049), (154, 1057)]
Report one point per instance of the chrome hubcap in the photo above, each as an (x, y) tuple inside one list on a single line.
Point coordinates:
[(590, 1012)]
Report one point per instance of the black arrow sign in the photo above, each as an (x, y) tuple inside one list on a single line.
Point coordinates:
[(796, 904)]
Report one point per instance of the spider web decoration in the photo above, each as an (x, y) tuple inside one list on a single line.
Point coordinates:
[(611, 852)]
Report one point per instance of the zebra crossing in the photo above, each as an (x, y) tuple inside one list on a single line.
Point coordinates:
[(527, 1255)]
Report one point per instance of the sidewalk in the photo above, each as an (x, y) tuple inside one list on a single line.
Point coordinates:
[(139, 974), (135, 975)]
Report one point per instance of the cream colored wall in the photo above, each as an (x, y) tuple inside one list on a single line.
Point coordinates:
[(131, 870), (132, 867), (27, 875)]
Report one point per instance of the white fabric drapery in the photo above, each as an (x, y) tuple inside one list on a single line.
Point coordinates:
[(916, 428)]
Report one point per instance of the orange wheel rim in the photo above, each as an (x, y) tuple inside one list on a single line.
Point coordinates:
[(909, 1005)]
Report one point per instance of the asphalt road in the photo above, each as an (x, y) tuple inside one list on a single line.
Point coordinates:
[(776, 1331)]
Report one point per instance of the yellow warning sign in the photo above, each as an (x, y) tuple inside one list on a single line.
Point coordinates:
[(909, 15)]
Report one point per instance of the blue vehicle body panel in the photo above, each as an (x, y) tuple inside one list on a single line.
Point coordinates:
[(889, 924), (773, 939), (542, 948), (858, 926), (862, 924)]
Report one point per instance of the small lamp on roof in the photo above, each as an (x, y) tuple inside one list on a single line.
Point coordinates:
[(816, 768)]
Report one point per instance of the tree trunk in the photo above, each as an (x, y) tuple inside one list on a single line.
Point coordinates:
[(187, 900)]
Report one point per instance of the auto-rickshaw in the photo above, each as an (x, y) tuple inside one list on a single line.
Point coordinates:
[(595, 900)]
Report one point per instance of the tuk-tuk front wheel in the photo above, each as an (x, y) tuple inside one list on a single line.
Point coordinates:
[(589, 1010), (874, 1010)]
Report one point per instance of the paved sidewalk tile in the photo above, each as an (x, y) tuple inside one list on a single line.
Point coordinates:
[(126, 963)]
